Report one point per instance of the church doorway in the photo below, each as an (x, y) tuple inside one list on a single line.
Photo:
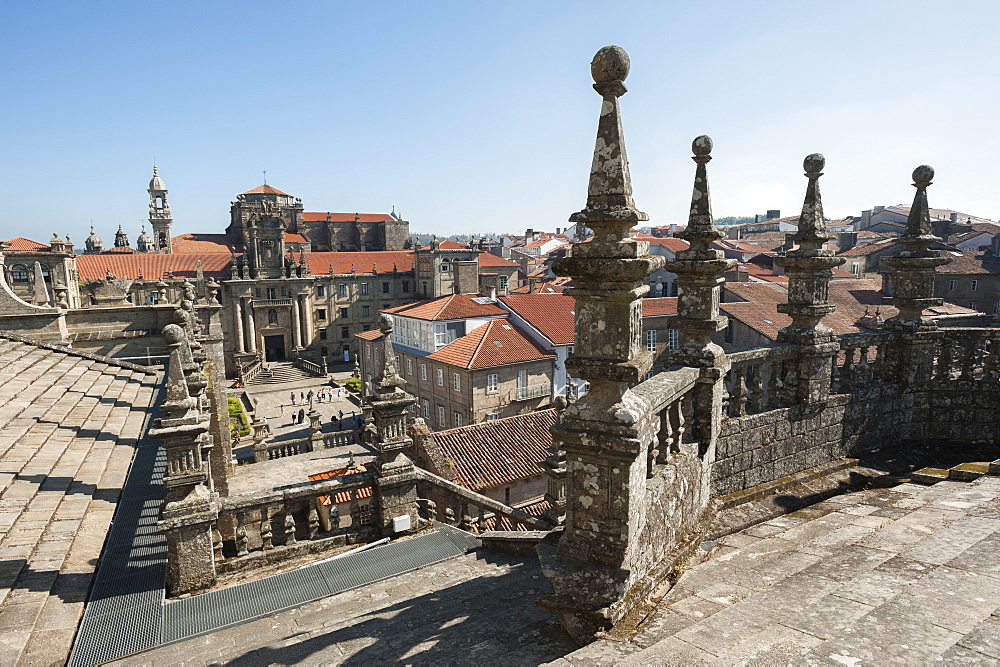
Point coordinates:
[(274, 348)]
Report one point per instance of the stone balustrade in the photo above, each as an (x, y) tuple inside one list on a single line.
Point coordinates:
[(309, 366), (966, 354), (862, 362), (248, 371), (468, 510), (759, 379)]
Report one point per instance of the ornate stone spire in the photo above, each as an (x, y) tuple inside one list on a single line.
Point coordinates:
[(699, 268), (913, 267)]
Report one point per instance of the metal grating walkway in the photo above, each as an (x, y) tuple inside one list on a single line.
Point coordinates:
[(126, 612)]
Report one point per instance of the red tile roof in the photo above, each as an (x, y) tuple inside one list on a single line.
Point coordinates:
[(486, 259), (371, 334), (199, 243), (451, 307), (659, 306), (448, 244), (869, 248), (496, 343), (321, 216), (496, 453), (853, 298), (554, 286), (153, 266), (25, 245), (266, 190), (343, 263), (965, 262), (295, 238), (671, 243), (552, 314), (343, 496)]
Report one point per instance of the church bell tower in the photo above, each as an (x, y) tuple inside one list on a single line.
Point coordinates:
[(159, 214)]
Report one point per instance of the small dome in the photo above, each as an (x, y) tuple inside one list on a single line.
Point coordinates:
[(156, 183), (93, 242), (144, 236)]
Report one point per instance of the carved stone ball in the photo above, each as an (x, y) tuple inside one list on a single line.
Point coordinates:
[(702, 145), (385, 322), (610, 64), (814, 163), (172, 334), (923, 175)]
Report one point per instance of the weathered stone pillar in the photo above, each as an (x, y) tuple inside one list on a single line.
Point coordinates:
[(396, 483), (699, 271), (296, 323), (593, 565), (40, 293), (188, 512), (238, 322), (809, 270), (250, 329), (912, 271), (307, 325)]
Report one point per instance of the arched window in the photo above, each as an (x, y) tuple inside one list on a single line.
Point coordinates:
[(159, 203), (272, 317), (19, 273)]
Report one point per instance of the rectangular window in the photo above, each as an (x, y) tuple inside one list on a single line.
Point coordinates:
[(345, 332), (343, 313), (409, 366), (256, 290), (427, 409), (341, 289), (322, 334), (458, 419), (522, 378), (673, 339), (365, 514), (972, 305), (503, 282), (974, 286), (283, 292), (368, 351), (406, 286), (320, 290), (321, 313), (270, 293), (385, 288), (952, 285), (398, 362), (441, 421), (651, 340), (491, 383), (423, 371), (364, 288), (492, 417), (440, 377), (456, 382), (366, 311)]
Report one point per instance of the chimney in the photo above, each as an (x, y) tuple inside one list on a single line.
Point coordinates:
[(558, 231), (866, 220), (773, 214), (879, 209), (673, 229), (466, 277), (847, 241)]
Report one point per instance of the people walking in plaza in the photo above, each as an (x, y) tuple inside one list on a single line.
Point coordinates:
[(293, 398), (267, 426), (302, 416)]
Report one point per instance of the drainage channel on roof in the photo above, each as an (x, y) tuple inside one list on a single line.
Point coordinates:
[(126, 614)]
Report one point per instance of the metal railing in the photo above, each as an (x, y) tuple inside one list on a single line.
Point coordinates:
[(532, 391)]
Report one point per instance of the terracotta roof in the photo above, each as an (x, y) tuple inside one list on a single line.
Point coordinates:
[(533, 509), (266, 190), (153, 266), (496, 453), (659, 306), (25, 245), (343, 496), (448, 244), (496, 343), (868, 248), (969, 262), (853, 298), (554, 286), (321, 216), (200, 243), (486, 259), (124, 249), (295, 238), (741, 246), (371, 334), (343, 263), (552, 314), (672, 243), (451, 307)]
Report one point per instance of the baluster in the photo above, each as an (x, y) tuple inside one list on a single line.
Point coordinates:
[(242, 541), (739, 399), (449, 516), (289, 527), (992, 367), (847, 372), (216, 543), (665, 436), (834, 375), (774, 385), (725, 397), (756, 393), (466, 517), (334, 515), (265, 529), (944, 361), (968, 362), (355, 511), (679, 421), (481, 520), (313, 519), (864, 368)]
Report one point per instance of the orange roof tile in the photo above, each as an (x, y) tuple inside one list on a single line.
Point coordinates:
[(495, 453), (371, 334), (552, 314), (659, 306), (295, 238), (199, 243), (324, 216), (153, 266), (343, 263), (554, 286), (343, 496), (671, 243), (266, 190), (486, 259), (495, 343), (448, 244), (451, 307), (21, 244)]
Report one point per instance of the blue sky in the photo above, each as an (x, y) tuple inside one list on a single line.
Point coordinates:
[(472, 117)]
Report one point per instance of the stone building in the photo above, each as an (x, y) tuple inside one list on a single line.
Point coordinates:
[(42, 274)]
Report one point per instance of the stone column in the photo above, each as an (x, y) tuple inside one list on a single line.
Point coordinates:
[(296, 323), (238, 321), (250, 329), (913, 271), (699, 271), (809, 270), (595, 562), (307, 326)]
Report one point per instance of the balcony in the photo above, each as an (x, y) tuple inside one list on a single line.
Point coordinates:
[(267, 303), (533, 391)]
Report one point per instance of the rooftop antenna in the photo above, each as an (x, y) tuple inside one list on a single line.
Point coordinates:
[(265, 177)]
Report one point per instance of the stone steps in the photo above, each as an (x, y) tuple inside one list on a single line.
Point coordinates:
[(280, 373), (963, 472)]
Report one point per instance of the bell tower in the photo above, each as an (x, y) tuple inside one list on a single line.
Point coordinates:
[(159, 213)]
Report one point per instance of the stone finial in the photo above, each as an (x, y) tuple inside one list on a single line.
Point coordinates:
[(812, 223), (918, 222), (387, 377), (41, 293), (213, 291), (701, 231)]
